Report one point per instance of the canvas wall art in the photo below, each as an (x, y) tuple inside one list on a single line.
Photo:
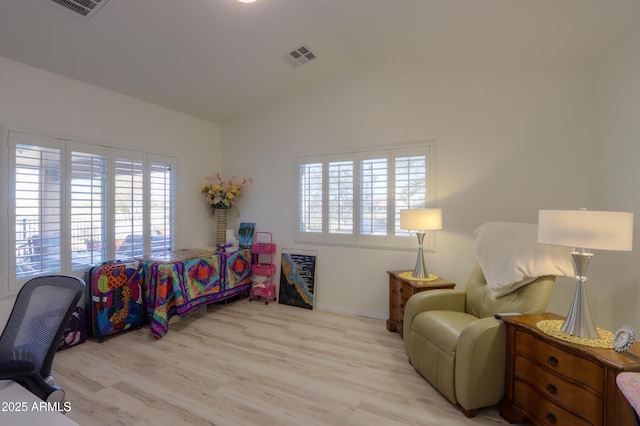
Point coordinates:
[(297, 278)]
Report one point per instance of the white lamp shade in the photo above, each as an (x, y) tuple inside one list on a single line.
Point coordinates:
[(586, 229), (421, 219)]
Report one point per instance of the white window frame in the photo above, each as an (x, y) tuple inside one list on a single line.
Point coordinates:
[(393, 239), (10, 284)]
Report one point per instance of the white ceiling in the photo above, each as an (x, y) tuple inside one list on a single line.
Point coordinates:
[(218, 58)]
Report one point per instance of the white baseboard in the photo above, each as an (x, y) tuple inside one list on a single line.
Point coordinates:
[(342, 310)]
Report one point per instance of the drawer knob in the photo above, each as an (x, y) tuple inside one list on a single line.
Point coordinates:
[(552, 389), (401, 306), (552, 361), (400, 291), (552, 418)]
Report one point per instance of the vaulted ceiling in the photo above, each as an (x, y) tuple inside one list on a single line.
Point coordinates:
[(216, 59)]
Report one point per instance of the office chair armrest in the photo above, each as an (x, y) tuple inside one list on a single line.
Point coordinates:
[(22, 372), (14, 367)]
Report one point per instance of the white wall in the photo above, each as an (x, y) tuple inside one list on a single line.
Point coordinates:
[(511, 140), (619, 283), (32, 99)]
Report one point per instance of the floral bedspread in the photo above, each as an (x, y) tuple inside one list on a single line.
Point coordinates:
[(178, 287)]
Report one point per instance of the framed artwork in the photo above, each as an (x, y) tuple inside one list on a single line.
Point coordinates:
[(245, 234), (297, 278)]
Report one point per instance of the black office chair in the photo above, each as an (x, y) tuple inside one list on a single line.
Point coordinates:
[(30, 339)]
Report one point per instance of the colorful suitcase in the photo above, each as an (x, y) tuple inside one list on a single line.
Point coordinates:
[(115, 299)]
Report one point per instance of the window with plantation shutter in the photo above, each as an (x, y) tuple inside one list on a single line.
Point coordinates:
[(410, 186), (364, 193), (88, 200), (310, 198), (340, 199), (374, 192), (128, 193), (36, 215), (162, 205), (72, 204)]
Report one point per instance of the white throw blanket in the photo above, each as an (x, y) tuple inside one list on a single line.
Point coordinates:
[(511, 257)]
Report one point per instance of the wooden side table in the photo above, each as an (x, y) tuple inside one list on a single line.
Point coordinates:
[(551, 381), (401, 289)]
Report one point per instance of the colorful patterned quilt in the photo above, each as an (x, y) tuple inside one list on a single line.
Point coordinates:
[(178, 287)]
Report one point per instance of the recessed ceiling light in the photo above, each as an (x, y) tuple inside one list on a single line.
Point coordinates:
[(246, 1)]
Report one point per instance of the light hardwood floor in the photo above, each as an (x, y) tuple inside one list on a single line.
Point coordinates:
[(247, 363)]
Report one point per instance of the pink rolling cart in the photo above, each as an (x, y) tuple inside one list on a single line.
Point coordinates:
[(263, 268)]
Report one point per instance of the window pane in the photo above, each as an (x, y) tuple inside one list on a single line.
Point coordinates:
[(37, 210), (373, 198), (129, 218), (311, 197), (410, 188), (88, 172), (341, 197), (162, 208)]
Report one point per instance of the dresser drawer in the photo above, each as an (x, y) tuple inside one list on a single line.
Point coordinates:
[(543, 411), (559, 391), (582, 371)]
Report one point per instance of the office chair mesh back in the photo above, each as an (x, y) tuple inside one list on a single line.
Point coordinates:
[(36, 324)]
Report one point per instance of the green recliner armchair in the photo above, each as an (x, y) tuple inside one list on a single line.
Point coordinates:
[(453, 340)]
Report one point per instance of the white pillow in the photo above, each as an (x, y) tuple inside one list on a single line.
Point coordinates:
[(511, 257)]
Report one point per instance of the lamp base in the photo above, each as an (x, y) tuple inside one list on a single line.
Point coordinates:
[(579, 322), (420, 271)]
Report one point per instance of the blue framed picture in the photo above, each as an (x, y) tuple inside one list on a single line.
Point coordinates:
[(245, 234)]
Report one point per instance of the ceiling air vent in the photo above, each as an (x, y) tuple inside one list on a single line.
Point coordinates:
[(300, 56), (86, 8)]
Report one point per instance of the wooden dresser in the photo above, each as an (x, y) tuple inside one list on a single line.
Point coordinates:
[(400, 290), (553, 382)]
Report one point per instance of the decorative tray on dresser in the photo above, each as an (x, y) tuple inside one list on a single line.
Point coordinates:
[(550, 381)]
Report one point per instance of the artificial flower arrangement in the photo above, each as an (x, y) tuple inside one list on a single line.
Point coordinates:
[(223, 194)]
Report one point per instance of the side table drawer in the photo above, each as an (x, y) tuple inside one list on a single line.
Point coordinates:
[(406, 291), (581, 370), (543, 411), (572, 397)]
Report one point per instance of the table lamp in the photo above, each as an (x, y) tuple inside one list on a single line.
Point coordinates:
[(584, 230), (421, 221)]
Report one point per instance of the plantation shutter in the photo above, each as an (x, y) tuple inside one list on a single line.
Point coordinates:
[(37, 205), (162, 205), (129, 206), (88, 213)]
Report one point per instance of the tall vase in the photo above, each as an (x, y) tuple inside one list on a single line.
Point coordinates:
[(221, 232)]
